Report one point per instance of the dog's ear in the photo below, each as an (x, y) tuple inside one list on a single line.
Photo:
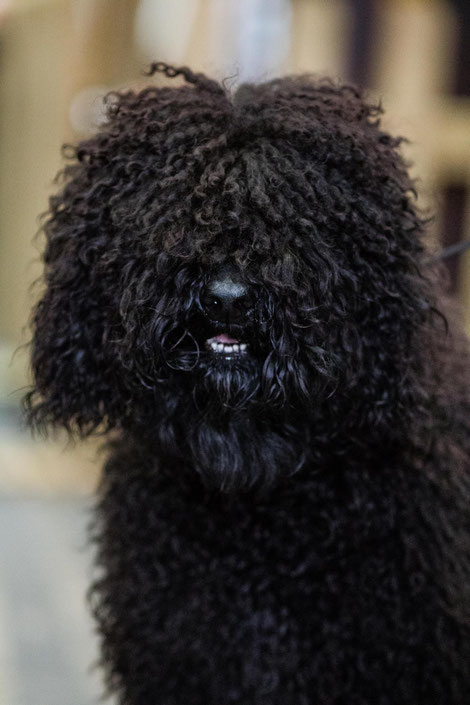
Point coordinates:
[(83, 358), (71, 365)]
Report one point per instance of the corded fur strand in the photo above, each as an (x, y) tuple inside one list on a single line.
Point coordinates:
[(291, 528)]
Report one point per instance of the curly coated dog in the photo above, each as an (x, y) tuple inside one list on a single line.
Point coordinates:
[(236, 288)]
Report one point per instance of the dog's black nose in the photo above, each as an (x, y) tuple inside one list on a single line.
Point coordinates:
[(226, 299)]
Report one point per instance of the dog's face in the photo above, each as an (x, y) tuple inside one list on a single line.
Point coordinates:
[(233, 268), (232, 341), (221, 342)]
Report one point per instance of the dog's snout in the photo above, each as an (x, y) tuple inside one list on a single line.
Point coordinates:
[(227, 300)]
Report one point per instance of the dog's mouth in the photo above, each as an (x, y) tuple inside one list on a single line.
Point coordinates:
[(224, 344)]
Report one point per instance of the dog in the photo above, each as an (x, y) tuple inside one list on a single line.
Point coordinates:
[(237, 291)]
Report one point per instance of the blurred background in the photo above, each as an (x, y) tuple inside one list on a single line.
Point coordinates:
[(58, 58)]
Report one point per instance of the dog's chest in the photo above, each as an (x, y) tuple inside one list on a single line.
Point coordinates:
[(229, 594), (299, 552)]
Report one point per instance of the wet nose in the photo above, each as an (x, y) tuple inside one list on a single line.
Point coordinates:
[(226, 299)]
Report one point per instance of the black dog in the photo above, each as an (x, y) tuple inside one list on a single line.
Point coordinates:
[(237, 287)]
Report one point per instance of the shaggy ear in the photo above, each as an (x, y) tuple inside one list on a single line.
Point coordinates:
[(71, 372), (79, 357)]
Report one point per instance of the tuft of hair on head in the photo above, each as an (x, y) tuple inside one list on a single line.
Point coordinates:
[(198, 79)]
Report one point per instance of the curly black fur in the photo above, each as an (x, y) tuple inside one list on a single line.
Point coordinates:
[(289, 527)]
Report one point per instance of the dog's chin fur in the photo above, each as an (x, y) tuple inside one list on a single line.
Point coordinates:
[(242, 453), (223, 385), (233, 439)]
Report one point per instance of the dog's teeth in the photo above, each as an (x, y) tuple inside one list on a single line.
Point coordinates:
[(215, 346)]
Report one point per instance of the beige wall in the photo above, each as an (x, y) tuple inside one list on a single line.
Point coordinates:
[(48, 53), (31, 129)]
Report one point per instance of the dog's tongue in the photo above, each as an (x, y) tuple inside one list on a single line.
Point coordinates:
[(224, 338)]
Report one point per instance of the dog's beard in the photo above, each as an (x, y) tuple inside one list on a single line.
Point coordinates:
[(237, 439), (243, 452), (237, 415), (222, 386)]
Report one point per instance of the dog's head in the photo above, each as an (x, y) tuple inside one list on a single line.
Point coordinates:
[(213, 258)]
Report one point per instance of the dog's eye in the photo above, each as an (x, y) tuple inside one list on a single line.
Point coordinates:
[(214, 305), (211, 303)]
